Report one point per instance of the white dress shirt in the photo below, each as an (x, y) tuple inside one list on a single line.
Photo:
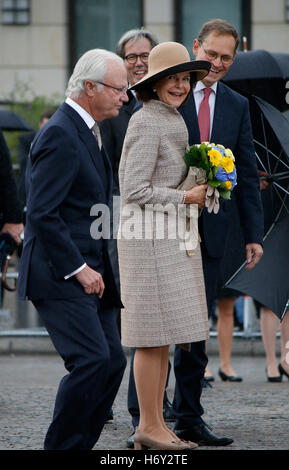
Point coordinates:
[(199, 95)]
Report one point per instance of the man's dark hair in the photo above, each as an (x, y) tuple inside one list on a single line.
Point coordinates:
[(47, 113), (220, 27), (135, 35)]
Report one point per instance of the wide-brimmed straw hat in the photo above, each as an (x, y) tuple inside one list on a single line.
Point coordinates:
[(169, 58)]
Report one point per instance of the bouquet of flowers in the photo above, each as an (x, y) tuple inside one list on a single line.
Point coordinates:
[(218, 165)]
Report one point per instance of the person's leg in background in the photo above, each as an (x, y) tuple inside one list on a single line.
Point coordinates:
[(225, 329)]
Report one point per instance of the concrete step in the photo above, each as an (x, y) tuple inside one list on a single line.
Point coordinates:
[(36, 341)]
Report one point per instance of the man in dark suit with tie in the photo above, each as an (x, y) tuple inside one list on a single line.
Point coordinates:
[(227, 123), (65, 270)]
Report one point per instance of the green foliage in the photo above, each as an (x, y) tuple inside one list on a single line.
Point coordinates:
[(24, 102)]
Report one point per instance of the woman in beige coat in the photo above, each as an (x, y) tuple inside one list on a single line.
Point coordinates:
[(162, 287)]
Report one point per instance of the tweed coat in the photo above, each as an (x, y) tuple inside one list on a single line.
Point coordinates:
[(162, 288)]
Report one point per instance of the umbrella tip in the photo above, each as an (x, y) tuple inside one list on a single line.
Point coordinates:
[(245, 47)]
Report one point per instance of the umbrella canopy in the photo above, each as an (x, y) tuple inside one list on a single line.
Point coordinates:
[(10, 121), (271, 140), (268, 282), (263, 74)]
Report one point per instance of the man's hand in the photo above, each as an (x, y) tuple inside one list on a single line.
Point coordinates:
[(254, 251), (91, 281), (14, 230), (197, 195)]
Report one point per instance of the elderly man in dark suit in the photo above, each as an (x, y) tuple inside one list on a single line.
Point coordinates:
[(64, 271), (227, 123)]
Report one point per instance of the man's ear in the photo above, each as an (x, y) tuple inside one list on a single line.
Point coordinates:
[(196, 46), (89, 87)]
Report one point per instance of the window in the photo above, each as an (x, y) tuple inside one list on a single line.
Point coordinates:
[(15, 12), (101, 23), (191, 14)]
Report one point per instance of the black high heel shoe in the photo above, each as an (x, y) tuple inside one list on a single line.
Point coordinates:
[(276, 378), (283, 371), (230, 378)]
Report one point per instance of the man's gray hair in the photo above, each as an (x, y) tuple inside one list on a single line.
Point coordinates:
[(91, 66), (135, 35)]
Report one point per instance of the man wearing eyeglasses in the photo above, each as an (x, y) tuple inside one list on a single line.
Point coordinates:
[(134, 48), (217, 114), (64, 271)]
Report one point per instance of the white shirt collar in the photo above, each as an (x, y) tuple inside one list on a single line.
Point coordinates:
[(89, 121), (200, 86)]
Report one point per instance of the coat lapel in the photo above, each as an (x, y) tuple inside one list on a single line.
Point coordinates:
[(219, 113), (89, 141), (190, 117)]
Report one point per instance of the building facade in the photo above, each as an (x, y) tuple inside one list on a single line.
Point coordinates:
[(41, 40)]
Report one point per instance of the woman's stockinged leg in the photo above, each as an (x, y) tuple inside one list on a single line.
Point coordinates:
[(150, 379), (164, 372)]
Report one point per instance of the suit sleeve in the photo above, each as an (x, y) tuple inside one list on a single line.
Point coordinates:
[(137, 165), (54, 166), (248, 187), (9, 204)]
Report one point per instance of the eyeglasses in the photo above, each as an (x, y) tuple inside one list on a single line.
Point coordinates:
[(212, 55), (120, 90), (132, 58)]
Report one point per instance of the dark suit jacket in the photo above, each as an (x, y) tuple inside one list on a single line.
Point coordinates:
[(10, 210), (113, 133), (231, 128), (66, 176)]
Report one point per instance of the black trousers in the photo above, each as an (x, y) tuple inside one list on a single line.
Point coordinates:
[(87, 339), (189, 367)]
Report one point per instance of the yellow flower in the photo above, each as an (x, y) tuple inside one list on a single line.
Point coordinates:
[(229, 153), (228, 164), (215, 157), (228, 184)]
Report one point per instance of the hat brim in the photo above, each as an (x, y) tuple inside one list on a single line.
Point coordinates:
[(201, 69)]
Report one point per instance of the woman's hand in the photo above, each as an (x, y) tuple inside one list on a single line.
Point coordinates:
[(197, 195)]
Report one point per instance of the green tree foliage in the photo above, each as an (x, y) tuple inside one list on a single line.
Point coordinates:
[(26, 103)]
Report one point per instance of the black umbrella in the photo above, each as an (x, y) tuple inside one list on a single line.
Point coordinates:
[(268, 282), (10, 121), (261, 73), (271, 139)]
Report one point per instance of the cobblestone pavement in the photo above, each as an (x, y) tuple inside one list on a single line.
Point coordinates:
[(254, 412)]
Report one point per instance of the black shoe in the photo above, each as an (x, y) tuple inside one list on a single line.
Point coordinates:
[(130, 441), (275, 379), (230, 378), (202, 435), (209, 378), (283, 371), (207, 383), (168, 411), (110, 415)]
